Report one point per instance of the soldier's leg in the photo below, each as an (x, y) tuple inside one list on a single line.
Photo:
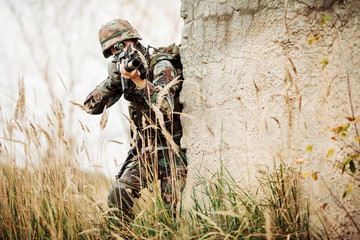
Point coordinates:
[(125, 189), (172, 173)]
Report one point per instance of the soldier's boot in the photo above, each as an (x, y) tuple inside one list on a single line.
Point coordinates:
[(120, 196)]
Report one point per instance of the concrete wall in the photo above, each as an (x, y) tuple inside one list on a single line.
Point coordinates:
[(255, 90)]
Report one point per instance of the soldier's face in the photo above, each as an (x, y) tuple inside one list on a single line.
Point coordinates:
[(126, 43)]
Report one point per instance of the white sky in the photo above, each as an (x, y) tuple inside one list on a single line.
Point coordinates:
[(47, 42)]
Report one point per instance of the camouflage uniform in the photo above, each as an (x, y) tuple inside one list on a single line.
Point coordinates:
[(153, 156)]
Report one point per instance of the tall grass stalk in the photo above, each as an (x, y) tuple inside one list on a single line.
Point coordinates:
[(45, 195)]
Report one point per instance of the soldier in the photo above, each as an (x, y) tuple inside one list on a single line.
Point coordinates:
[(154, 109)]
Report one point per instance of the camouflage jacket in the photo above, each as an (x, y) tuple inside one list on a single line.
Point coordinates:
[(144, 101)]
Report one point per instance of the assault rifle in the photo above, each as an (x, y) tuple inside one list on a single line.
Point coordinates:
[(132, 61)]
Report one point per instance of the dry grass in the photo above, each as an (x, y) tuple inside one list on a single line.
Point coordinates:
[(45, 195)]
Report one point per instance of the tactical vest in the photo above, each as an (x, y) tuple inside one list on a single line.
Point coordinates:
[(138, 107)]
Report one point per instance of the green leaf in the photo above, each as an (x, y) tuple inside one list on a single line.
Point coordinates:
[(346, 126), (343, 165), (313, 38), (342, 128), (352, 166), (330, 153), (348, 190), (343, 169), (324, 63), (324, 20), (309, 148)]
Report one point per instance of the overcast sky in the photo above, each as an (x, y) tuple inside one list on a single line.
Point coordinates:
[(53, 46)]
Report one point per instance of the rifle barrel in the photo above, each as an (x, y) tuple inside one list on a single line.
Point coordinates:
[(132, 65)]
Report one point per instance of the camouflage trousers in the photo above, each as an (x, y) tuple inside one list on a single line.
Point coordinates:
[(142, 171)]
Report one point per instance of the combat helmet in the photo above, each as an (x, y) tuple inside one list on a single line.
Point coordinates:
[(116, 30)]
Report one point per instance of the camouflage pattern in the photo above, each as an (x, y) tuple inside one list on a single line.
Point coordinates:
[(171, 53), (139, 174), (104, 94), (116, 30), (163, 73), (109, 91), (155, 157)]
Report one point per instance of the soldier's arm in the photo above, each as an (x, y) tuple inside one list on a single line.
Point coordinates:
[(105, 94), (164, 73)]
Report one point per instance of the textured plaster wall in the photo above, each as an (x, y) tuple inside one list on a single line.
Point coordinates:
[(255, 90)]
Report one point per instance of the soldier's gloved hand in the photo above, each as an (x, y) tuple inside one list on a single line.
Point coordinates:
[(114, 78), (113, 72)]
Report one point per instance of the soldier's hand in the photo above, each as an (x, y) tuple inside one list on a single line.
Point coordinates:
[(133, 75)]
